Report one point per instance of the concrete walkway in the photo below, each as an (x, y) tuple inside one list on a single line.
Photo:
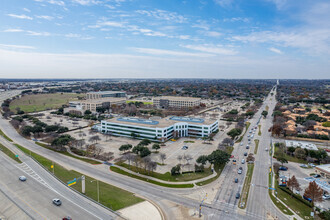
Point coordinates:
[(164, 181)]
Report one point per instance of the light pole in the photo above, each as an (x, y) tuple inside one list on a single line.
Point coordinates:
[(98, 190)]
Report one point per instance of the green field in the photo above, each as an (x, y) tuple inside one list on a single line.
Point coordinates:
[(246, 187), (290, 158), (144, 103), (110, 196), (9, 153), (41, 102)]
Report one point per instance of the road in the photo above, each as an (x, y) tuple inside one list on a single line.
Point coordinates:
[(225, 204)]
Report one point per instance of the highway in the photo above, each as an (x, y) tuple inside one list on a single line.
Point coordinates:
[(224, 206)]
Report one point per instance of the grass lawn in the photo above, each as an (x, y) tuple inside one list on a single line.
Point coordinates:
[(5, 136), (246, 187), (144, 103), (110, 196), (118, 170), (290, 158), (41, 102), (218, 169), (257, 145), (298, 207), (247, 125), (275, 201), (9, 153), (259, 132), (167, 176), (91, 161)]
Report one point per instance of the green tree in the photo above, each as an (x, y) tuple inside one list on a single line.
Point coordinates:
[(145, 142), (264, 113), (234, 132), (218, 157), (87, 112), (282, 160), (176, 170), (156, 147), (145, 152), (202, 159)]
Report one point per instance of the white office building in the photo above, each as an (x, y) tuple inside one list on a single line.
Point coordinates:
[(161, 129)]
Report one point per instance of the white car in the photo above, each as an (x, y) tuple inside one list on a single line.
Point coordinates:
[(241, 144), (239, 171), (303, 165), (22, 178), (266, 149)]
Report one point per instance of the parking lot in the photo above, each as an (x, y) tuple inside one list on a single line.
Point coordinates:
[(302, 173)]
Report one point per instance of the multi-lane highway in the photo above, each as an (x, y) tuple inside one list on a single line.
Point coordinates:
[(224, 205)]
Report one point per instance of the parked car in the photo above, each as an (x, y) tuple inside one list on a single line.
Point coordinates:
[(240, 168), (184, 148), (67, 218), (312, 165), (22, 178), (308, 199), (241, 144), (236, 180), (232, 156), (237, 195), (317, 176), (57, 202), (303, 165), (245, 154), (283, 168)]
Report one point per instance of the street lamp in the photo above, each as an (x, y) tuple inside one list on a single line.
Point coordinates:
[(98, 190)]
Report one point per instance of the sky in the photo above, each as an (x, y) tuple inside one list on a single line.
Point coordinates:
[(165, 39)]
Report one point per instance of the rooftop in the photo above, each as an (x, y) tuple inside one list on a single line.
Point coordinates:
[(324, 167), (107, 92), (162, 122), (177, 98), (108, 99)]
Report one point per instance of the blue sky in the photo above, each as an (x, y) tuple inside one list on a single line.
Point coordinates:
[(165, 38)]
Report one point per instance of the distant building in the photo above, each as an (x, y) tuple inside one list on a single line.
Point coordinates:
[(93, 104), (301, 144), (161, 129), (176, 102), (105, 94)]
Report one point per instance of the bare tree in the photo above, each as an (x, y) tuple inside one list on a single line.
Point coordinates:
[(129, 157), (162, 157), (146, 161), (15, 123), (179, 157), (228, 142), (293, 184), (188, 158), (276, 167), (314, 192), (91, 150), (80, 143), (95, 139), (98, 150)]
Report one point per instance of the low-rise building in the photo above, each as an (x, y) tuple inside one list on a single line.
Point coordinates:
[(323, 170), (93, 104), (159, 129), (176, 102), (105, 94)]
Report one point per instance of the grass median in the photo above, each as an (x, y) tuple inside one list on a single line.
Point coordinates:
[(259, 132), (9, 153), (256, 141), (5, 136), (110, 196), (118, 170), (91, 161), (246, 187)]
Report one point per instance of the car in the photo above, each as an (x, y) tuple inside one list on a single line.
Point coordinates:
[(22, 178), (312, 165), (266, 149), (308, 199), (248, 136), (236, 180), (249, 139), (232, 156), (249, 142), (317, 176), (57, 202), (234, 162), (252, 136), (283, 168), (239, 171), (243, 161), (326, 197), (241, 144), (240, 168), (67, 218), (184, 148), (237, 195), (303, 166), (247, 147), (245, 154)]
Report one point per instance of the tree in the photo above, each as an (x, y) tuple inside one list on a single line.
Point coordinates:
[(234, 132), (276, 167), (176, 170), (26, 130), (87, 112), (145, 152), (179, 157), (293, 184), (129, 157), (300, 153), (202, 159), (162, 157), (145, 142), (250, 157), (188, 158), (228, 142), (282, 160), (95, 139), (264, 113), (314, 192), (218, 157), (156, 147)]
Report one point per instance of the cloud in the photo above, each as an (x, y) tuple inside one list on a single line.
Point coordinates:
[(87, 2), (224, 3), (26, 9), (212, 34), (275, 50), (153, 51), (46, 17), (10, 46), (72, 35), (214, 49), (108, 24), (164, 15), (280, 4), (33, 33), (13, 30), (53, 2), (202, 25), (236, 19), (20, 16)]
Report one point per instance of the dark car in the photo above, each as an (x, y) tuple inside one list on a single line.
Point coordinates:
[(247, 147), (57, 202), (308, 199), (237, 195), (317, 176), (245, 154), (283, 168), (67, 218), (236, 180)]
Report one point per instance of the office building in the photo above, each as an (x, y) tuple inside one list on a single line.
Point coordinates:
[(93, 104), (176, 102), (105, 94)]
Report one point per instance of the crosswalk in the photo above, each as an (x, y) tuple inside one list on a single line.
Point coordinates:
[(29, 171)]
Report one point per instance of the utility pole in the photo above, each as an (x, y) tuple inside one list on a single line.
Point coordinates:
[(200, 206), (98, 189), (83, 184)]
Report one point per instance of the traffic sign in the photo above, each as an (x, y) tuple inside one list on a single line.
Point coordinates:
[(72, 182), (16, 155), (271, 188)]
